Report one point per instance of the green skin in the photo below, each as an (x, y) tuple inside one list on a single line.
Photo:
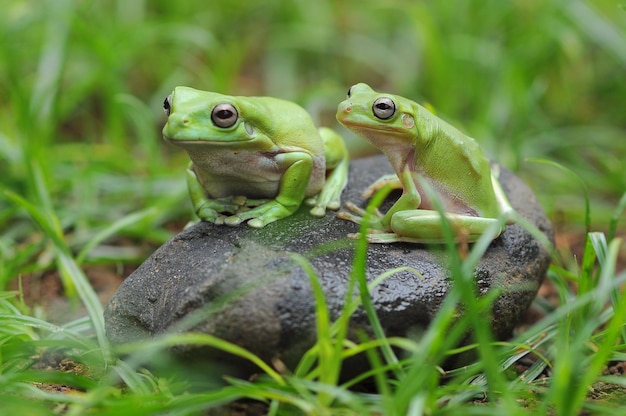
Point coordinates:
[(254, 158), (432, 160)]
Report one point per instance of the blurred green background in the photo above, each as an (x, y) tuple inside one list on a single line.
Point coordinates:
[(82, 85)]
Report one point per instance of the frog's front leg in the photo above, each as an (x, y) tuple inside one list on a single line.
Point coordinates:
[(409, 200), (425, 226), (291, 192), (337, 160), (208, 209)]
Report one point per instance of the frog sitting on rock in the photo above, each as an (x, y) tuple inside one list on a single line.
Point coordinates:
[(432, 161), (254, 158)]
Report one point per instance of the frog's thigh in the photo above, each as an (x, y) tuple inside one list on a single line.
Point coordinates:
[(335, 151), (427, 224)]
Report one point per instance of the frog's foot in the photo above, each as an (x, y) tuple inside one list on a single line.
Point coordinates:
[(330, 196), (218, 209), (320, 206), (390, 180), (317, 210), (379, 237), (209, 214), (251, 203), (261, 215)]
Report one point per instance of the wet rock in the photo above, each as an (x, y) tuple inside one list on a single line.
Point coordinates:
[(243, 285)]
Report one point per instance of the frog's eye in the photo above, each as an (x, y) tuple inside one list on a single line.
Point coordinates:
[(384, 108), (350, 91), (167, 105), (224, 115)]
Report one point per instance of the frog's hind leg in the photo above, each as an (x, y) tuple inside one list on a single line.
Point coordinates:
[(389, 238), (337, 162), (425, 226)]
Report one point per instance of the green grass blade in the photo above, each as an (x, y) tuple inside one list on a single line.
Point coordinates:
[(617, 215), (581, 182), (70, 273), (143, 350), (112, 229)]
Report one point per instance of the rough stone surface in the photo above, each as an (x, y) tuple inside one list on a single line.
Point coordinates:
[(241, 284)]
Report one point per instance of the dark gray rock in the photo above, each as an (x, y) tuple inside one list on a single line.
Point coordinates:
[(241, 284)]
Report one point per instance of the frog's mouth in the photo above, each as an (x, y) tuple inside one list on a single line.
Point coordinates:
[(194, 142), (383, 129), (369, 130), (380, 136)]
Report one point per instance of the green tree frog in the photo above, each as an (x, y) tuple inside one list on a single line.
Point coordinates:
[(432, 160), (254, 158)]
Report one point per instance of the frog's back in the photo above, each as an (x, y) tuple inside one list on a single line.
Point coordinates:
[(288, 123), (462, 170)]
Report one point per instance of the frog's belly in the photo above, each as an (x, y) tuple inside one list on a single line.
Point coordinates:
[(251, 174), (222, 186), (258, 181)]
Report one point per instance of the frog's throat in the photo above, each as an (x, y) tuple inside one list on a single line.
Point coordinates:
[(401, 158)]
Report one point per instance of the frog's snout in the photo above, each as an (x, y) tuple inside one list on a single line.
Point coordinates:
[(345, 107), (178, 120), (176, 125)]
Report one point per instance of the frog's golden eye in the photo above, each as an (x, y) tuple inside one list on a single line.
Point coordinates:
[(224, 115), (384, 108), (167, 105), (350, 91)]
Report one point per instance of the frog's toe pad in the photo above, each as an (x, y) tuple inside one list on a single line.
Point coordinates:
[(334, 205), (232, 221), (256, 223), (318, 211)]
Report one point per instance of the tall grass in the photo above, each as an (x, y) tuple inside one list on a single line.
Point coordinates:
[(574, 343), (85, 180)]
